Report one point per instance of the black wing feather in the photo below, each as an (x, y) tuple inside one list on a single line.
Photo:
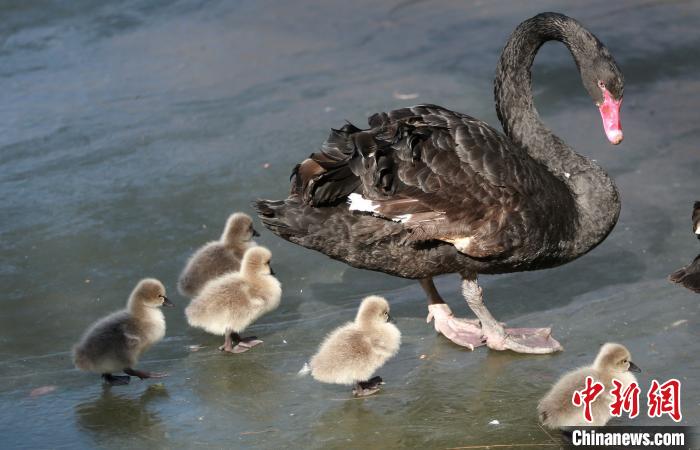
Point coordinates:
[(454, 175)]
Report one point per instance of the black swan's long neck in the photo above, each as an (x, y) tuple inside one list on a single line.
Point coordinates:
[(592, 189)]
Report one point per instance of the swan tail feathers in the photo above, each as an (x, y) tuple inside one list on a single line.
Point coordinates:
[(677, 276), (291, 219), (326, 177), (273, 214)]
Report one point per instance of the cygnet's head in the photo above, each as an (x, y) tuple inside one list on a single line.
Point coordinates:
[(374, 310), (615, 358), (149, 292), (239, 228), (256, 260)]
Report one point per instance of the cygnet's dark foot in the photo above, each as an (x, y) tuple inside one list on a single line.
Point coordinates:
[(116, 380), (143, 375), (246, 343), (365, 388), (225, 348), (229, 339)]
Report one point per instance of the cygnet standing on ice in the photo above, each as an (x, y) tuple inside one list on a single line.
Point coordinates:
[(218, 257), (228, 304), (556, 409), (115, 343), (352, 353)]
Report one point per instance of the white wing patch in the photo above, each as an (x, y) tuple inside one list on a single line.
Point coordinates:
[(359, 203), (461, 244)]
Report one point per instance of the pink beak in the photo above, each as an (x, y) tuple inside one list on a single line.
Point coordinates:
[(610, 112)]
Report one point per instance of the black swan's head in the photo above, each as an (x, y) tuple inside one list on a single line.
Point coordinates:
[(600, 74), (605, 84)]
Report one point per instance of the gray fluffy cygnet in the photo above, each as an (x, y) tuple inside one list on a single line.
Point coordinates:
[(218, 257), (115, 343)]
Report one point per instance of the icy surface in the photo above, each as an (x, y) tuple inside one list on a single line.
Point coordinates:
[(130, 132)]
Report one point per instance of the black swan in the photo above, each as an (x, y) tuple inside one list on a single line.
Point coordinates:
[(426, 191), (689, 276)]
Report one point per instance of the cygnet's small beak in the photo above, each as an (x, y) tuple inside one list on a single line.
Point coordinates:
[(634, 368), (255, 233), (166, 302), (272, 272), (390, 319)]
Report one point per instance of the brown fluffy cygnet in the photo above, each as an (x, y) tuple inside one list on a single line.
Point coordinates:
[(115, 343), (218, 257), (228, 304), (352, 353), (556, 409)]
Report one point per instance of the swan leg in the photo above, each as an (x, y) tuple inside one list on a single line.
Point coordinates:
[(521, 340), (116, 380), (369, 387), (464, 332), (143, 375)]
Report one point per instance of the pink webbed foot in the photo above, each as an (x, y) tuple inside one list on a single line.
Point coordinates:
[(464, 332), (521, 340)]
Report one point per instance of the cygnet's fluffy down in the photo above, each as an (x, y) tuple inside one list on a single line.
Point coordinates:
[(115, 343), (352, 353), (227, 305), (556, 409), (218, 257)]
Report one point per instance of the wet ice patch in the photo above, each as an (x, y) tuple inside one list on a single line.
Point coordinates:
[(42, 391)]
